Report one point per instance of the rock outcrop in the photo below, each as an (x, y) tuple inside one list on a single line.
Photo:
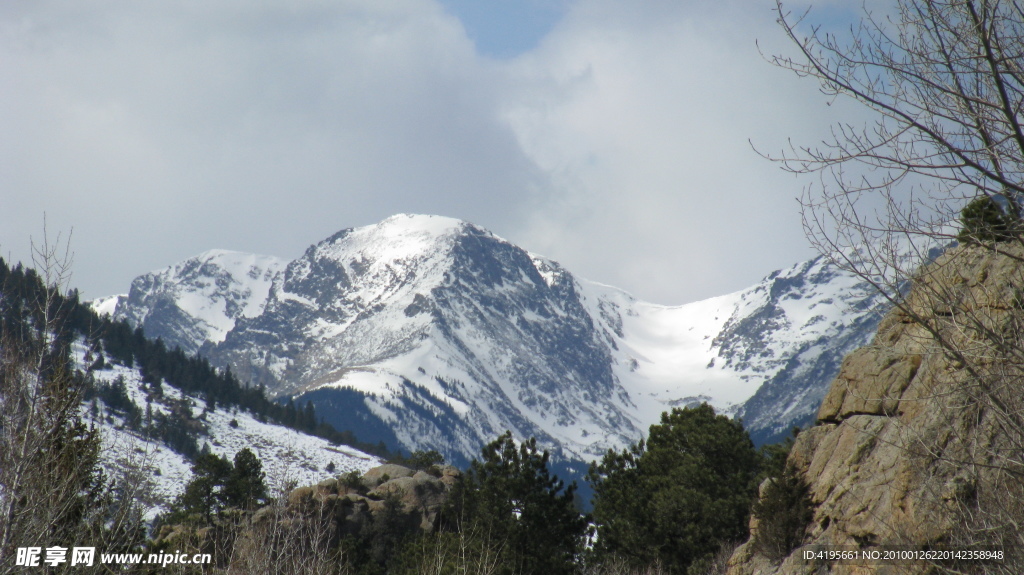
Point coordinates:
[(914, 431), (313, 519), (353, 502)]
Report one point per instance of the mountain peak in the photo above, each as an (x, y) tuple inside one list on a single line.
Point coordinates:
[(396, 238), (430, 332), (198, 299), (422, 223)]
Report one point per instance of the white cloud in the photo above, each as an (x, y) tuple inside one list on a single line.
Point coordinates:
[(160, 132), (619, 146)]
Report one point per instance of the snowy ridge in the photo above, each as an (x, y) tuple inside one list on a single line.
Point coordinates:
[(430, 333), (107, 306), (199, 299), (790, 333)]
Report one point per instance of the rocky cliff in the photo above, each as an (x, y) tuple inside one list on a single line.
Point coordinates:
[(918, 440)]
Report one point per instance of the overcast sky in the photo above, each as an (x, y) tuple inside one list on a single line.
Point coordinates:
[(610, 136)]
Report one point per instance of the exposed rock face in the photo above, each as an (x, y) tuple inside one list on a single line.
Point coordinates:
[(914, 427), (199, 299)]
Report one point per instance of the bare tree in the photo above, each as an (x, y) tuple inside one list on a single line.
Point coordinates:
[(277, 540), (944, 81), (473, 549), (52, 489), (25, 399)]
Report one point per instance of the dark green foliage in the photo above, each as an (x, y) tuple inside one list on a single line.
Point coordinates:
[(130, 347), (376, 550), (984, 221), (677, 497), (69, 452), (54, 490), (353, 480), (307, 419), (782, 513), (245, 487), (174, 432), (511, 497), (205, 496), (774, 455), (217, 485), (115, 396), (177, 430)]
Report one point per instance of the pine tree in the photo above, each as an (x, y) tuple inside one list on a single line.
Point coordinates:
[(245, 487), (674, 498), (511, 496), (205, 495), (985, 221), (52, 488)]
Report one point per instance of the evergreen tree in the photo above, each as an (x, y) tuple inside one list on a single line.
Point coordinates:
[(421, 459), (52, 488), (674, 498), (245, 487), (511, 496), (783, 512), (217, 485), (984, 220), (206, 494)]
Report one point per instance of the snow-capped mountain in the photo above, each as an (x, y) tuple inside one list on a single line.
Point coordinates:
[(431, 333)]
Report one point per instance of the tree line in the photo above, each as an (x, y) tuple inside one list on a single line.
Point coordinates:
[(676, 503)]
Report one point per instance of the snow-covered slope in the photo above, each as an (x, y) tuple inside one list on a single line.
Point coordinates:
[(288, 456), (430, 333), (449, 333)]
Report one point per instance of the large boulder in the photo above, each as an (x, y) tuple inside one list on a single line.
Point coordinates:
[(422, 494)]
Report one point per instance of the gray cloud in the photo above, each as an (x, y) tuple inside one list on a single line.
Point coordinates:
[(618, 146), (645, 129)]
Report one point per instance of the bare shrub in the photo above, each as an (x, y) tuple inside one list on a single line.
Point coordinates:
[(620, 566), (278, 541), (469, 551)]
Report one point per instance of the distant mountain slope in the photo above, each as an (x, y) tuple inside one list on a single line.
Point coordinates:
[(794, 329), (431, 333), (287, 455)]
